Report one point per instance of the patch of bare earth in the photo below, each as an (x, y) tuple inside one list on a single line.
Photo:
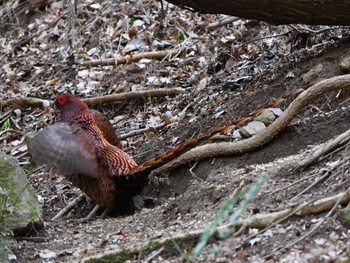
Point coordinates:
[(227, 72)]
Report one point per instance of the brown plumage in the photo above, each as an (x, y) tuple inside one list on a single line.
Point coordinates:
[(81, 148), (107, 129), (85, 149)]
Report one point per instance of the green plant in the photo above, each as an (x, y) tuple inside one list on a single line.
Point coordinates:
[(181, 36), (6, 125), (132, 21)]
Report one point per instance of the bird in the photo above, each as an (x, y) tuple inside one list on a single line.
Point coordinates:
[(84, 148)]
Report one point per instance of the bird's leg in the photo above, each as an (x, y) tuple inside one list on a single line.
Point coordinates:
[(106, 212), (120, 206), (90, 215)]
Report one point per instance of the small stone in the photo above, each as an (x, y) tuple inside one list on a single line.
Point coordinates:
[(290, 75), (251, 129), (44, 46), (345, 65), (11, 75), (267, 117), (312, 74)]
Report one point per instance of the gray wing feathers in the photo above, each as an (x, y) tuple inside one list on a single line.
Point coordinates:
[(68, 151)]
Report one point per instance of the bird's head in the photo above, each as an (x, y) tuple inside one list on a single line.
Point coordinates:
[(71, 107)]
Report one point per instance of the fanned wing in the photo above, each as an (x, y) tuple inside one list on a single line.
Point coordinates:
[(64, 148)]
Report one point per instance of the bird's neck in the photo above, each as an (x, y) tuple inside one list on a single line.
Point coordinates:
[(84, 120)]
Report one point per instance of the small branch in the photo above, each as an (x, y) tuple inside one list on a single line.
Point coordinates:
[(34, 239), (291, 185), (141, 131), (327, 173), (300, 29), (131, 58), (133, 95), (265, 37), (10, 130), (223, 22), (329, 146), (25, 102), (5, 116), (70, 206), (264, 220), (336, 200)]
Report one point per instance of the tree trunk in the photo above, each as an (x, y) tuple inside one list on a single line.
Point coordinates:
[(312, 12)]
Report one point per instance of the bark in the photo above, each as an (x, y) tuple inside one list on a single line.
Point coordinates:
[(315, 12)]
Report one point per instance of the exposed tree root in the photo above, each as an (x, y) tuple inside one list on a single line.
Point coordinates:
[(233, 148)]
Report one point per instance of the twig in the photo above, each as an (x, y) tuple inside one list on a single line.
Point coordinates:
[(5, 116), (133, 95), (33, 239), (130, 58), (141, 131), (25, 102), (280, 220), (70, 206), (10, 130), (326, 174), (309, 30), (156, 253), (318, 206), (265, 37), (223, 22), (290, 185), (336, 201), (193, 173), (328, 147)]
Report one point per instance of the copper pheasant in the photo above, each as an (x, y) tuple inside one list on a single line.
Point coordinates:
[(83, 147)]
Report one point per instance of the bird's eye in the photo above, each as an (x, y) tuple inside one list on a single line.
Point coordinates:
[(61, 99)]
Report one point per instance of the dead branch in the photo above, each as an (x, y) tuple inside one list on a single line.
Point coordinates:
[(316, 207), (133, 95), (131, 58), (9, 130), (223, 22), (328, 147), (256, 221), (70, 206), (25, 102), (141, 131), (312, 155), (234, 148), (337, 201)]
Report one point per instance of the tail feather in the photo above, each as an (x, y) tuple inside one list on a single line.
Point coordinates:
[(180, 149)]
